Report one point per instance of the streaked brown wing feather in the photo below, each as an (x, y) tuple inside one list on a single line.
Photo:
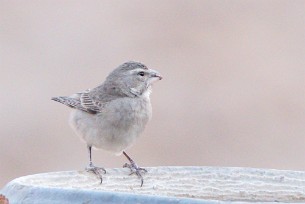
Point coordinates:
[(88, 103)]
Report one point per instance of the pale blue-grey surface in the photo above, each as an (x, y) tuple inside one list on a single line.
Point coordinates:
[(37, 195), (162, 185)]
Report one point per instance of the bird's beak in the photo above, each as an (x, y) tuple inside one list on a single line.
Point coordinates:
[(155, 74), (158, 75)]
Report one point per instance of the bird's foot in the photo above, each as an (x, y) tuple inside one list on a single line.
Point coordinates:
[(135, 169), (96, 170)]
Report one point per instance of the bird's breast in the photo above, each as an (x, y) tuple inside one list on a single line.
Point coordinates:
[(126, 114), (116, 127)]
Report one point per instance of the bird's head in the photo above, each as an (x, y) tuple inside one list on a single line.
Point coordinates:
[(133, 77)]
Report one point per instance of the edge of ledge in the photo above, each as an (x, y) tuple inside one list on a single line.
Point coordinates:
[(167, 184)]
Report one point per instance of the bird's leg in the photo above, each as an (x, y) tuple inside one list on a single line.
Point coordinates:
[(94, 169), (134, 168)]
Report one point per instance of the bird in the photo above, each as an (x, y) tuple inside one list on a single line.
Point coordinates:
[(113, 115)]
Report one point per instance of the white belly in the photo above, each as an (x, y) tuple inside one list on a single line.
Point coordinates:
[(117, 127)]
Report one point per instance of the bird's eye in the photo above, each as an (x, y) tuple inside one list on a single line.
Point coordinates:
[(141, 73)]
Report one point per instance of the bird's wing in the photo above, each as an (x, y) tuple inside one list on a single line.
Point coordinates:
[(81, 101), (89, 103)]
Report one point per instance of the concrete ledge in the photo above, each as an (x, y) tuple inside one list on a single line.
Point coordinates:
[(161, 185)]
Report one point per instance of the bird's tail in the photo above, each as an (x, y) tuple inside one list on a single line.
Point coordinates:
[(60, 99), (73, 102), (68, 101)]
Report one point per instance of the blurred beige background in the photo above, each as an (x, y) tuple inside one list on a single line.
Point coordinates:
[(232, 94)]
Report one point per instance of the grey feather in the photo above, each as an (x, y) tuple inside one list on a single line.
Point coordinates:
[(74, 102)]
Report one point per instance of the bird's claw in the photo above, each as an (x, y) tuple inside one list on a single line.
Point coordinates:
[(134, 169), (96, 170)]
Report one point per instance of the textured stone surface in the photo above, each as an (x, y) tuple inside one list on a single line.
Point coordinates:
[(178, 184)]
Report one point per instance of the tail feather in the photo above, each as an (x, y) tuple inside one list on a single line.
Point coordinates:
[(58, 99), (72, 103)]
